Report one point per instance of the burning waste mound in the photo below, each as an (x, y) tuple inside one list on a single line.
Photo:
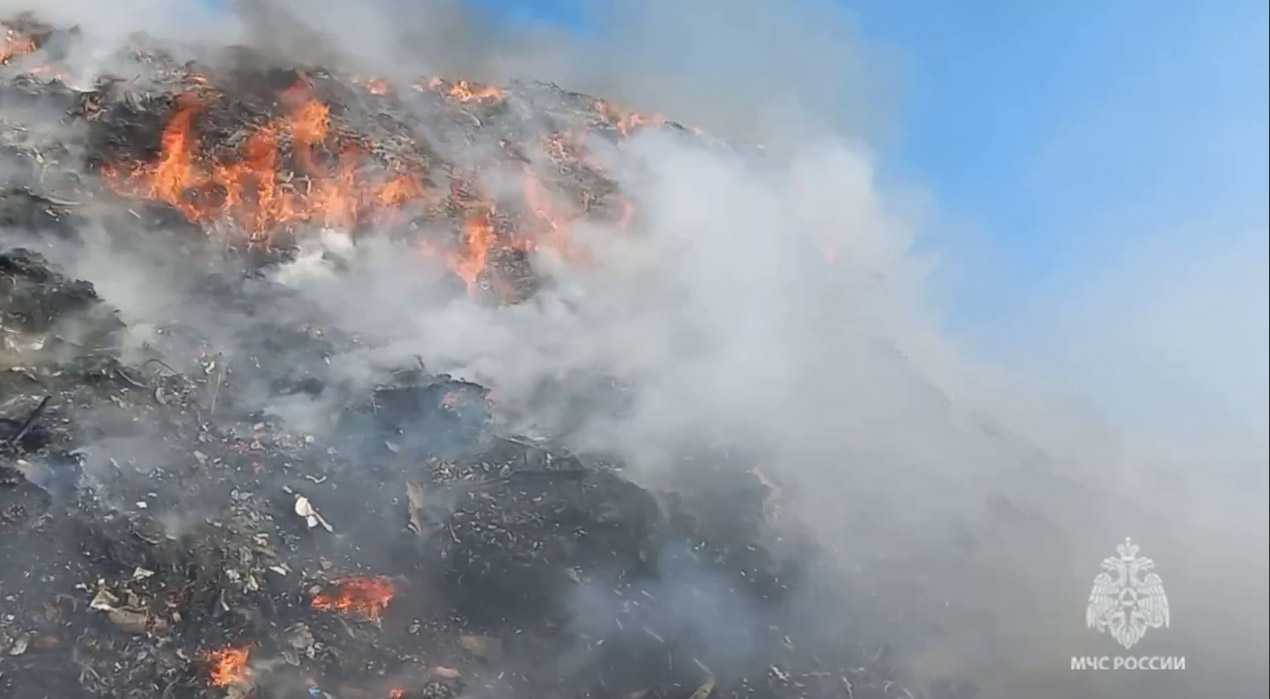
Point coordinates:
[(163, 535)]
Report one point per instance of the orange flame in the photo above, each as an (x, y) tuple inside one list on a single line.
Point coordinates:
[(397, 694), (401, 190), (375, 86), (250, 189), (303, 168), (551, 229), (469, 262), (626, 123), (368, 596), (631, 122), (570, 146), (229, 666), (309, 123), (463, 90), (14, 43), (539, 202)]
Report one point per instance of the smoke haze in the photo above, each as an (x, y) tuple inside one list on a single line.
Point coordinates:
[(776, 302)]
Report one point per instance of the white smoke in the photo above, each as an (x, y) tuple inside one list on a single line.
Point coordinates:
[(993, 495)]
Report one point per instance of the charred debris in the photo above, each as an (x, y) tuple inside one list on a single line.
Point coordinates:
[(162, 536)]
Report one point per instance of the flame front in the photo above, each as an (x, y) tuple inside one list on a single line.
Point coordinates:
[(629, 123), (626, 123), (465, 90), (470, 261), (229, 666), (249, 188), (304, 169), (368, 596)]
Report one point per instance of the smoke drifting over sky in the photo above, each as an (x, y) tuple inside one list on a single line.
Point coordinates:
[(778, 304)]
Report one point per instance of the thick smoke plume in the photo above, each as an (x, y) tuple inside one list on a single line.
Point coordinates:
[(771, 302)]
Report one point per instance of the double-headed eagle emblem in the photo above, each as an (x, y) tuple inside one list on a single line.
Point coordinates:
[(1128, 598)]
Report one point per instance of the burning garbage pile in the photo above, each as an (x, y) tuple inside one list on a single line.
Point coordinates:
[(163, 536)]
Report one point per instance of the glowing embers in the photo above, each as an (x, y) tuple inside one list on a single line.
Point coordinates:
[(464, 90), (366, 596), (14, 43), (490, 251), (486, 257), (567, 150), (569, 147), (626, 123), (228, 666), (375, 86), (548, 221), (286, 172)]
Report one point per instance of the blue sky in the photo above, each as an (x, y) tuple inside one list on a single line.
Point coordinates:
[(1098, 177), (1051, 134), (1061, 131), (1112, 157)]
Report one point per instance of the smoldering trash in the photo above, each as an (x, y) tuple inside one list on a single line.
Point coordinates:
[(163, 533)]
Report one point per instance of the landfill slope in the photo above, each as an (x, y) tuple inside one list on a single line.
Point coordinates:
[(162, 536)]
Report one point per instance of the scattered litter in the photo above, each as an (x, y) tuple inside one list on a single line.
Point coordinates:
[(311, 517)]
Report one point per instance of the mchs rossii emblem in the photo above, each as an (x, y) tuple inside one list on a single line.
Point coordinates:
[(1128, 597)]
